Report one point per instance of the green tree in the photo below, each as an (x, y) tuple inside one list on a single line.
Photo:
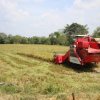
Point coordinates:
[(24, 40), (57, 34), (10, 39), (58, 38), (74, 29), (62, 39), (16, 39), (34, 40), (48, 41), (44, 40), (97, 32), (3, 38), (53, 39)]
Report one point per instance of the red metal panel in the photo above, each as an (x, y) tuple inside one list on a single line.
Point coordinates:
[(61, 58), (84, 45), (92, 58), (94, 45)]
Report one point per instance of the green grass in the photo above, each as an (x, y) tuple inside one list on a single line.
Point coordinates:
[(28, 73)]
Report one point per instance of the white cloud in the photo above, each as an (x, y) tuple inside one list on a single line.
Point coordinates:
[(87, 4), (42, 21), (85, 12), (39, 1), (12, 12)]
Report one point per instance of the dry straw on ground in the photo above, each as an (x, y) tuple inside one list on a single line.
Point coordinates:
[(28, 73)]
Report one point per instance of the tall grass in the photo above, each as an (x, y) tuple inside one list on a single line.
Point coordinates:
[(26, 74)]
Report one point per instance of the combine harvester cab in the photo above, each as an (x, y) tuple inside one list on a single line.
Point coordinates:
[(85, 49)]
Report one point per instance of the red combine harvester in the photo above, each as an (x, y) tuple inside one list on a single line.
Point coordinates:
[(83, 50)]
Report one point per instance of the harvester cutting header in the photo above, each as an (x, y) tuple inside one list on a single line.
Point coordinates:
[(84, 49)]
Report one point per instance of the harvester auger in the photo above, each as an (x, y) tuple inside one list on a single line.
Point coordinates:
[(83, 50)]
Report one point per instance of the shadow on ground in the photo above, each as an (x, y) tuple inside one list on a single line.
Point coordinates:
[(79, 68)]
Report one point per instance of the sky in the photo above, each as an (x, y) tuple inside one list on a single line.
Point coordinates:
[(42, 17)]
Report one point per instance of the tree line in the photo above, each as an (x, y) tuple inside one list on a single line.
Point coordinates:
[(56, 38), (17, 39)]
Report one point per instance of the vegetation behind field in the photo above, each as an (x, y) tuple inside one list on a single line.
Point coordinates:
[(55, 38), (28, 73)]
